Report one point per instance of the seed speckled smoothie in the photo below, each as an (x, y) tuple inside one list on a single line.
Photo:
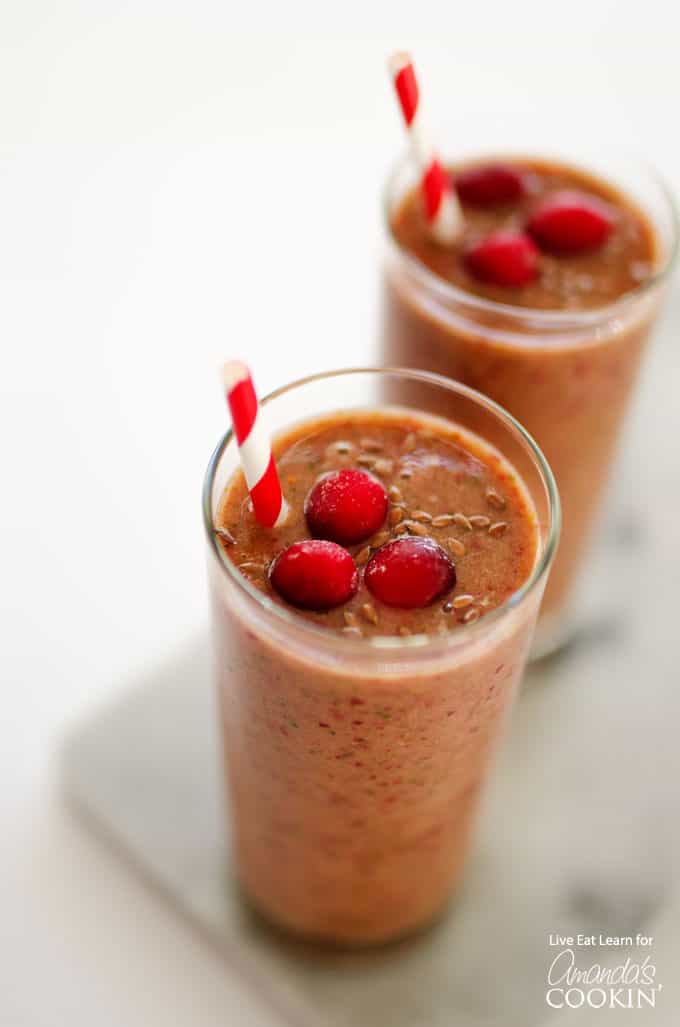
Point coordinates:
[(545, 304), (367, 653)]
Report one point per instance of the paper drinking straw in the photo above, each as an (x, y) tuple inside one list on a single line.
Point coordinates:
[(442, 208), (254, 446)]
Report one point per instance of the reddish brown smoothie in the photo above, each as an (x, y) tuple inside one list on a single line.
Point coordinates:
[(356, 750), (568, 377)]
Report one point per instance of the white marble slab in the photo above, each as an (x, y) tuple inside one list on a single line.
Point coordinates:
[(581, 831)]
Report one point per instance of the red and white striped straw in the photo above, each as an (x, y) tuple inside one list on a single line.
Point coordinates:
[(254, 446), (442, 208)]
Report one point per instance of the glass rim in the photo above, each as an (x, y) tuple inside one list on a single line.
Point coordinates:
[(552, 318), (384, 643)]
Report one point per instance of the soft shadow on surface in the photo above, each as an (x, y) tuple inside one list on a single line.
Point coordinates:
[(577, 835)]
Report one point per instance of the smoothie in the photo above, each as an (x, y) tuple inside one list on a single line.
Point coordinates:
[(361, 698), (440, 484), (548, 316)]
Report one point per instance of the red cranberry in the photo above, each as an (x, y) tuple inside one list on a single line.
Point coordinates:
[(571, 222), (346, 506), (409, 573), (503, 258), (490, 184), (314, 575)]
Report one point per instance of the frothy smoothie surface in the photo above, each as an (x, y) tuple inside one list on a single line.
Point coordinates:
[(438, 526), (591, 244)]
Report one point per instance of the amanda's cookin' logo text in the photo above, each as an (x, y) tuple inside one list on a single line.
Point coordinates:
[(629, 985)]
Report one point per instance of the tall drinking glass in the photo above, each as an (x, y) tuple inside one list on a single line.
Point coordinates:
[(358, 834), (566, 375)]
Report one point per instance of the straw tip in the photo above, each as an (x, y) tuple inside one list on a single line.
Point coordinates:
[(233, 372), (397, 61)]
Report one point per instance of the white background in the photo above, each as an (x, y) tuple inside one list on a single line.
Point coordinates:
[(179, 183)]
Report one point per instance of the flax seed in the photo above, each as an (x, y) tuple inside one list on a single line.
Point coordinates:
[(383, 466), (421, 515), (351, 619), (395, 494), (251, 568), (456, 546), (380, 539), (494, 499), (414, 528), (442, 520), (401, 528), (225, 535), (479, 521), (498, 529), (362, 556), (364, 460), (462, 602), (462, 521), (369, 614), (472, 616), (397, 514), (406, 473)]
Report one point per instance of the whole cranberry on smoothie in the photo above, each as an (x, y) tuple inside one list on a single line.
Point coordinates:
[(544, 303), (361, 695)]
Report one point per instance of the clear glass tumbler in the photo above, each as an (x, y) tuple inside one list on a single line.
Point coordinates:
[(566, 375), (357, 834)]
